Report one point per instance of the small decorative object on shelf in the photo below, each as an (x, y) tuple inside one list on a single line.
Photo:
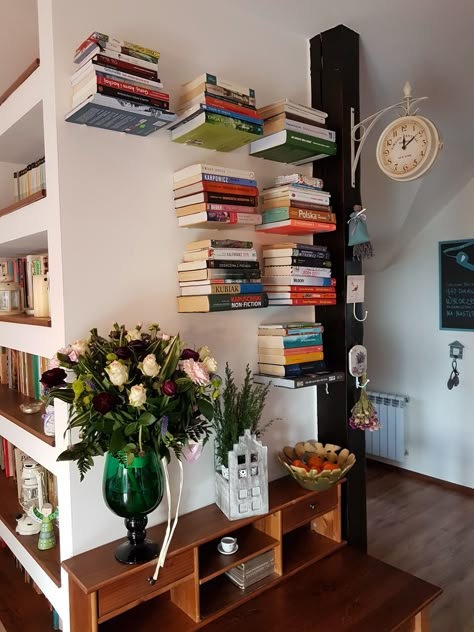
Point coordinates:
[(10, 301), (32, 494), (30, 408), (47, 538), (301, 278), (216, 114), (358, 235), (290, 349), (252, 571), (363, 413), (316, 466), (241, 459), (135, 394), (221, 277), (207, 196), (293, 133), (117, 87), (48, 421)]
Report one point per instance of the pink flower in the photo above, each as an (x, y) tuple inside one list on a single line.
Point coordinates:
[(196, 371), (74, 356)]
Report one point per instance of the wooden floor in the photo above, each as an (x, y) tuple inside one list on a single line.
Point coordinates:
[(426, 530)]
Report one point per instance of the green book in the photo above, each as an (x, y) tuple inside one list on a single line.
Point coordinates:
[(288, 146), (215, 131)]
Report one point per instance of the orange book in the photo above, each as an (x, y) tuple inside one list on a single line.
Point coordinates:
[(215, 187), (296, 227)]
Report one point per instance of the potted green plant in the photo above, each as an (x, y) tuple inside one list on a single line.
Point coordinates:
[(241, 459)]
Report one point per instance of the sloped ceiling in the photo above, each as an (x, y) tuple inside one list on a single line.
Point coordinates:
[(428, 42)]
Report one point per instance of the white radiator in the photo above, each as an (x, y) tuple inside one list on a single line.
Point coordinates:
[(389, 441)]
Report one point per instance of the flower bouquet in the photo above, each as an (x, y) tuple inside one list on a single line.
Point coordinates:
[(137, 396)]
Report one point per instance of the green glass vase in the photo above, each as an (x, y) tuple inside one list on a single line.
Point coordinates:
[(132, 492)]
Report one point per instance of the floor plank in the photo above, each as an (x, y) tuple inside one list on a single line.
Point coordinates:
[(426, 530)]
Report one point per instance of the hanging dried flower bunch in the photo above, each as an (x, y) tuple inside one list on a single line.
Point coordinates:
[(364, 416)]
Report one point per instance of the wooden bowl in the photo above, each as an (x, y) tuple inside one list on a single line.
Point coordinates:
[(313, 479)]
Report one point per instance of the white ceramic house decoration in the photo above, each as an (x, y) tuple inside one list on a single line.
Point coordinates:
[(245, 492)]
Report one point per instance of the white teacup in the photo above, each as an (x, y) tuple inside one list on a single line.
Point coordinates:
[(228, 544)]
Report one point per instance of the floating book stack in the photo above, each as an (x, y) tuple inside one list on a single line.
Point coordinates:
[(216, 114), (220, 275), (116, 87), (298, 274), (207, 196), (290, 349), (293, 133), (296, 205)]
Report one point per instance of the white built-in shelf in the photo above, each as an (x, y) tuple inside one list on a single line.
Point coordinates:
[(21, 121), (31, 338), (24, 230)]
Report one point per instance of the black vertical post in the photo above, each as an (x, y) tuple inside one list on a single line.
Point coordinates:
[(334, 58)]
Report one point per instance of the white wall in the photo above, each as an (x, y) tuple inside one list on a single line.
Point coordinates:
[(409, 354), (120, 239)]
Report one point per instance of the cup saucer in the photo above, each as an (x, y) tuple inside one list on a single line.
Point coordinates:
[(221, 550)]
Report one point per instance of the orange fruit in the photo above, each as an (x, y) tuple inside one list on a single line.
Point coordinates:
[(315, 462), (298, 463), (330, 466)]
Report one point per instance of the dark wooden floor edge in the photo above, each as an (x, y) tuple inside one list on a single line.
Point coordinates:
[(455, 487)]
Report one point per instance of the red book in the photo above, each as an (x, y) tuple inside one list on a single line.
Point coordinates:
[(272, 294), (302, 301), (301, 289), (296, 227), (215, 187), (232, 107), (126, 66), (128, 87)]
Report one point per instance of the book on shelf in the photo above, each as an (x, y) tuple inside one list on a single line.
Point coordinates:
[(271, 270), (193, 112), (218, 219), (210, 197), (219, 303), (292, 109), (221, 288), (217, 81), (301, 381), (269, 358), (309, 262), (93, 68), (206, 98), (299, 301), (133, 67), (282, 122), (227, 264), (288, 212), (292, 370), (218, 243), (119, 115), (299, 289), (298, 178), (292, 351), (244, 254), (193, 209), (291, 147), (215, 170), (106, 41), (296, 227), (117, 88), (29, 180), (295, 250), (214, 274), (289, 341), (290, 329), (219, 92), (298, 193), (119, 56), (287, 202), (298, 295), (209, 177), (298, 280), (215, 131), (215, 187)]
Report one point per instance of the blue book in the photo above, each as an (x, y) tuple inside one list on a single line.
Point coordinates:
[(236, 115), (195, 111), (292, 370), (210, 177), (289, 342)]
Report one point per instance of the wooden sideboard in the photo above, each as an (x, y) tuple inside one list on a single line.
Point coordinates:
[(301, 528)]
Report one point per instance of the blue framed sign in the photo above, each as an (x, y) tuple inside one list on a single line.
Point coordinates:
[(456, 285)]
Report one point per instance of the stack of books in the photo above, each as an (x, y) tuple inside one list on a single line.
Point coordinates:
[(117, 87), (254, 570), (29, 180), (293, 133), (290, 349), (220, 275), (296, 205), (207, 196), (298, 274), (216, 114)]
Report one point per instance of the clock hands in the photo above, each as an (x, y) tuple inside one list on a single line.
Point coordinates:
[(412, 138), (404, 145)]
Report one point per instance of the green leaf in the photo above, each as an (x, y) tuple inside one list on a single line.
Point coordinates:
[(117, 441), (206, 409), (146, 419), (67, 455), (131, 428)]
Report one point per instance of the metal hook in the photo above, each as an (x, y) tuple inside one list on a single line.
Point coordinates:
[(361, 320), (327, 388)]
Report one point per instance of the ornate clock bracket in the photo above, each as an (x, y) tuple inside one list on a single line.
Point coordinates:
[(360, 131)]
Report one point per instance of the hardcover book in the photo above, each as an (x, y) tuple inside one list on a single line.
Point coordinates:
[(219, 219), (222, 288), (193, 209), (220, 303), (211, 197), (217, 81), (296, 227), (215, 187), (242, 254), (292, 370), (268, 358), (283, 213), (216, 170), (222, 133), (218, 243), (288, 146)]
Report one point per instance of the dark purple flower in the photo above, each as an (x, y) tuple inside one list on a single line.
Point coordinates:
[(164, 424), (53, 377), (103, 402), (137, 345), (123, 353), (169, 388), (190, 354)]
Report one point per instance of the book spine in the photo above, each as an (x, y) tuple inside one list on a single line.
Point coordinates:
[(130, 96), (298, 280), (302, 301), (237, 301), (222, 217), (309, 262), (237, 265), (108, 71), (135, 69), (228, 198), (209, 177), (235, 115), (310, 130), (318, 144), (276, 215), (310, 254), (229, 189), (232, 253), (229, 105), (128, 87), (298, 271), (229, 85), (238, 124), (218, 91), (237, 288), (309, 181)]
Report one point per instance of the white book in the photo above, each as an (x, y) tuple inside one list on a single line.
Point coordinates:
[(91, 68), (120, 57), (203, 254), (251, 219), (297, 271), (199, 198), (297, 193), (213, 79), (207, 282), (273, 260), (202, 265), (310, 130), (196, 169), (295, 280), (298, 178), (296, 108)]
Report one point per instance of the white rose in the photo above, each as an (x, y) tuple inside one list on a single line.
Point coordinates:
[(203, 352), (134, 334), (210, 364), (137, 395), (80, 347), (149, 366), (117, 372)]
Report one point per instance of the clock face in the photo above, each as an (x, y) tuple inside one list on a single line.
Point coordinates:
[(407, 148)]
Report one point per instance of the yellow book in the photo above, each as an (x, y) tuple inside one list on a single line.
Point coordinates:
[(292, 359)]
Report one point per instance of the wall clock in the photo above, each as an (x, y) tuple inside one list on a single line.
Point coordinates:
[(407, 147)]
